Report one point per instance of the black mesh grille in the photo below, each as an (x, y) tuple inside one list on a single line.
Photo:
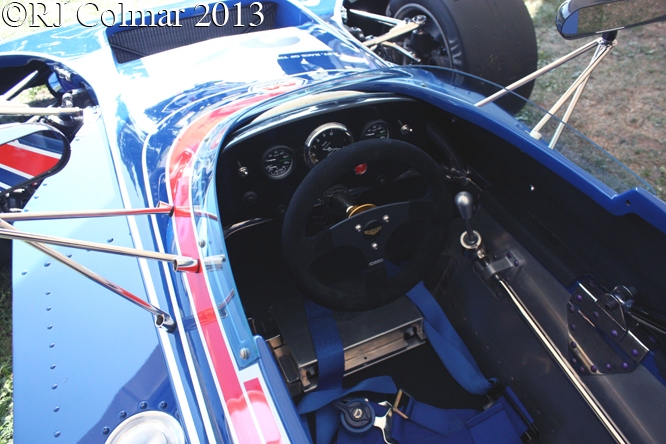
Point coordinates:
[(134, 43)]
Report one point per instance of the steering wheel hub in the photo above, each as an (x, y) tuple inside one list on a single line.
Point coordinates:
[(372, 229)]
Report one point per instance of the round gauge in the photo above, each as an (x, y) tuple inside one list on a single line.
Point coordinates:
[(325, 140), (377, 129), (278, 162)]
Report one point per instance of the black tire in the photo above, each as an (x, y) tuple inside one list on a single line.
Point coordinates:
[(491, 39)]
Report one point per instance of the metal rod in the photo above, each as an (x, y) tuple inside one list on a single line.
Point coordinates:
[(179, 263), (11, 110), (228, 231), (582, 77), (540, 72), (401, 50), (17, 88), (162, 318), (555, 353), (398, 30), (567, 114), (376, 17), (162, 208), (572, 105)]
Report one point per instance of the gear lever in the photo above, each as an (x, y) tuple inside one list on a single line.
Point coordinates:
[(470, 239)]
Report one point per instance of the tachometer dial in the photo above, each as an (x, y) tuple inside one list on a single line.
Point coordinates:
[(377, 129), (278, 162), (325, 140)]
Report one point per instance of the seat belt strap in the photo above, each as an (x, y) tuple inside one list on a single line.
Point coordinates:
[(327, 344), (493, 426), (313, 401), (425, 419), (447, 344), (330, 362)]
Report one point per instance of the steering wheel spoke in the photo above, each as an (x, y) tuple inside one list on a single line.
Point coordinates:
[(421, 209), (319, 244), (376, 277)]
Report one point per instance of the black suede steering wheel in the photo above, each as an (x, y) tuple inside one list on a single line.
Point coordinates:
[(376, 226)]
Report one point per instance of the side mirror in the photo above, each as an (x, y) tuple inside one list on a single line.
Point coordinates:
[(582, 18), (30, 152)]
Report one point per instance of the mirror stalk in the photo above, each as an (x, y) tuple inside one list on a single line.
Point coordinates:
[(605, 46), (538, 73)]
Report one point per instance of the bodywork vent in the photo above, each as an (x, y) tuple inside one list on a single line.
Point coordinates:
[(135, 43)]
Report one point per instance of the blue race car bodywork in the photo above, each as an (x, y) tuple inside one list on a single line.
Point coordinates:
[(195, 125)]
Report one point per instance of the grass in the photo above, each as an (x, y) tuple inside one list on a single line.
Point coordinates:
[(623, 106), (6, 376)]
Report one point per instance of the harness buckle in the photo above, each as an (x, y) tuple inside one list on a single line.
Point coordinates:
[(384, 423), (357, 416)]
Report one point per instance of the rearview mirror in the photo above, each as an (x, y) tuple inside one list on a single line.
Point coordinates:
[(30, 152), (582, 18)]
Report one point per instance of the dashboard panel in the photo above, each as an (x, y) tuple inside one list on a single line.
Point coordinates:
[(259, 170)]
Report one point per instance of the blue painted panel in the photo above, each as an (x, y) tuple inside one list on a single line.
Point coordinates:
[(81, 354)]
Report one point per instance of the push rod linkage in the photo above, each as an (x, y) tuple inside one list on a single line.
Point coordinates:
[(384, 20), (401, 50), (398, 30), (162, 318)]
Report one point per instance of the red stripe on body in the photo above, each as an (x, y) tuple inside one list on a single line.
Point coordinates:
[(262, 410), (179, 170), (24, 160)]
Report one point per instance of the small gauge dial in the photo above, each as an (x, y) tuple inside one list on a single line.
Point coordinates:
[(377, 129), (325, 140), (278, 162)]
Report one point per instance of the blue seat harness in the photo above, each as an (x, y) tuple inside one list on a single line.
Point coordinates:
[(499, 424)]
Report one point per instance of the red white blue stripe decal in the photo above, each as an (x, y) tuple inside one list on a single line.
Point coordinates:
[(19, 162), (252, 414)]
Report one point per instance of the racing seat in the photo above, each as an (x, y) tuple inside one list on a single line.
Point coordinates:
[(358, 419)]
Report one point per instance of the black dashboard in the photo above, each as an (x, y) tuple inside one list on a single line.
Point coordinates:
[(260, 168)]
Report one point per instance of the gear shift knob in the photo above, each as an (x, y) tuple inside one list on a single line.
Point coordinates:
[(465, 203)]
